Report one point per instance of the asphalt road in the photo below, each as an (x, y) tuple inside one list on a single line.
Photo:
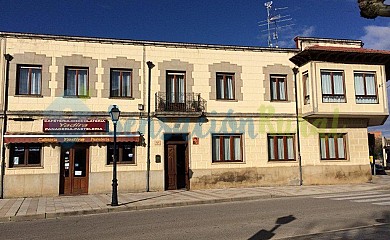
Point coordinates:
[(262, 219)]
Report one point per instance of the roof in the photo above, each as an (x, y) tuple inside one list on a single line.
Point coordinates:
[(143, 42), (343, 55)]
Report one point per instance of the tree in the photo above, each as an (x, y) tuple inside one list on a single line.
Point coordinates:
[(373, 8)]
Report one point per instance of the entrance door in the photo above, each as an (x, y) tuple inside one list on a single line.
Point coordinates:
[(176, 165), (74, 169)]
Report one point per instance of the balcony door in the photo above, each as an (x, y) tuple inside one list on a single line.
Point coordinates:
[(175, 91)]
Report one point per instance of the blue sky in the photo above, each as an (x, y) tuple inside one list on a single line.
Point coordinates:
[(230, 22)]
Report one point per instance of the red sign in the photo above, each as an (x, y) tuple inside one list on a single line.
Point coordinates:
[(75, 125)]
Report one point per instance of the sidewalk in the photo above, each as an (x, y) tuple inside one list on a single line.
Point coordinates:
[(24, 209)]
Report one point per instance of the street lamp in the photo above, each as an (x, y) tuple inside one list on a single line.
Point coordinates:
[(114, 113)]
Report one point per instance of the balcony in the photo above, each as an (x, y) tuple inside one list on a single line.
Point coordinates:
[(179, 105)]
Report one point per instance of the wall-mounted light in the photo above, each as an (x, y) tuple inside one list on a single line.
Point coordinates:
[(140, 107)]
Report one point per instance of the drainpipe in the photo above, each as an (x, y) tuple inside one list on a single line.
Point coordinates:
[(296, 70), (150, 66), (8, 58)]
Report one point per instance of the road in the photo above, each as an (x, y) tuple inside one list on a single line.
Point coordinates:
[(336, 216)]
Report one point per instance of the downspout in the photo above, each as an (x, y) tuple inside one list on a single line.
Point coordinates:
[(150, 66), (8, 58), (296, 70)]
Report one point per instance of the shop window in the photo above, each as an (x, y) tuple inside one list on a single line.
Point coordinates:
[(281, 148), (29, 80), (76, 81), (125, 153), (25, 155), (333, 146), (278, 88), (227, 148), (121, 83), (332, 83), (225, 86), (365, 88)]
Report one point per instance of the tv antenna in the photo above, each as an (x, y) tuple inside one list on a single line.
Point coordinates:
[(273, 18)]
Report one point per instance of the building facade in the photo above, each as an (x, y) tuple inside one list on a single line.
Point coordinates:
[(220, 116)]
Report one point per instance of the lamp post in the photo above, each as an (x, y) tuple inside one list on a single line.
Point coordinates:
[(114, 113), (150, 66), (296, 71), (8, 58)]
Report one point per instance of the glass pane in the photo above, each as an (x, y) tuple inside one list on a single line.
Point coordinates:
[(271, 151), (370, 84), (226, 148), (237, 148), (36, 81), (126, 84), (171, 88), (282, 89), (180, 89), (220, 87), (280, 148), (323, 147), (70, 83), (83, 83), (359, 84), (229, 87), (80, 163), (34, 154), (290, 148), (326, 83), (23, 80), (115, 83), (216, 149), (338, 83), (332, 149), (127, 153), (340, 145), (17, 156), (274, 90)]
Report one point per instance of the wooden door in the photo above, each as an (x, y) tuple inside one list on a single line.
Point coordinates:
[(74, 170), (171, 167)]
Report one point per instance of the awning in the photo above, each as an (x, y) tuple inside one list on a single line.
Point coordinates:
[(77, 138)]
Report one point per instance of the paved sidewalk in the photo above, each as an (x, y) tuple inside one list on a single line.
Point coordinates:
[(23, 209)]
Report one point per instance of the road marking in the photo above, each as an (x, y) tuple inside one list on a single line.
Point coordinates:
[(348, 194), (361, 197), (383, 203), (385, 198)]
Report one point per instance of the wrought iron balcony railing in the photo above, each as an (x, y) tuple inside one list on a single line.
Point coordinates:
[(179, 102)]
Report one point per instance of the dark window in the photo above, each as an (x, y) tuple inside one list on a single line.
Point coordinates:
[(227, 148), (225, 86), (332, 146), (306, 88), (278, 88), (76, 81), (365, 88), (281, 148), (29, 79), (333, 86), (125, 153), (121, 81), (23, 155), (176, 87)]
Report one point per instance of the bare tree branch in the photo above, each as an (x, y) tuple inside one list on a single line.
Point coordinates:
[(373, 8)]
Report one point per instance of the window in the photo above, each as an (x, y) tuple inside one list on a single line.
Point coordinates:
[(76, 82), (176, 87), (332, 146), (29, 80), (24, 155), (281, 148), (332, 86), (306, 88), (365, 88), (225, 86), (227, 148), (125, 153), (278, 88), (121, 80)]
